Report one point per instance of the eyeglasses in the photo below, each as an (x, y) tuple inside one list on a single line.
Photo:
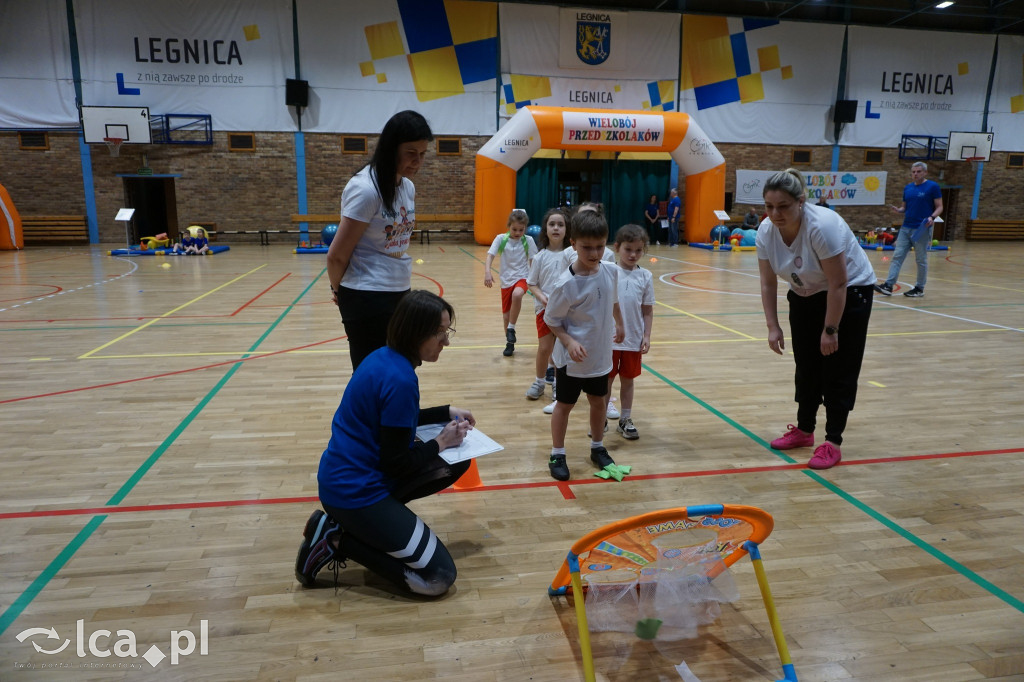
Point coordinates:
[(446, 333)]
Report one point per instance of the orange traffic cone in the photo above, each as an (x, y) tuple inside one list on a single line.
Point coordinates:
[(470, 479)]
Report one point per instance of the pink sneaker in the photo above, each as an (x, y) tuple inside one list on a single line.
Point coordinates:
[(793, 438), (826, 456)]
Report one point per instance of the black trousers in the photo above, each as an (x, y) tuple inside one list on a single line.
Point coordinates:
[(365, 315), (831, 379), (391, 541)]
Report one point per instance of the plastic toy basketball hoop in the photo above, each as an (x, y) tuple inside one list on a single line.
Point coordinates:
[(113, 144)]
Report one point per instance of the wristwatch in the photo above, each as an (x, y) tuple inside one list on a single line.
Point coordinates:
[(831, 331)]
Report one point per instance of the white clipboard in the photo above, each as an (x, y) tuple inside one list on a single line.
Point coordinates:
[(476, 443)]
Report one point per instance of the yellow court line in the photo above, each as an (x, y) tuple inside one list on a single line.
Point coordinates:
[(713, 324), (168, 313), (875, 383)]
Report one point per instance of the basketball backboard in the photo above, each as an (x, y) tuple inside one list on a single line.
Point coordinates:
[(130, 124), (967, 146)]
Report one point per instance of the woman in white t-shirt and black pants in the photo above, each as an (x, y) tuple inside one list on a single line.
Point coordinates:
[(367, 264), (830, 294)]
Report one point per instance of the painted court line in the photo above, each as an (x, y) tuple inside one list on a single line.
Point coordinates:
[(25, 598), (862, 507), (169, 313), (563, 486)]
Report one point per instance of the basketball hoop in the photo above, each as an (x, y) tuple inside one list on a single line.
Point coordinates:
[(975, 160), (113, 144)]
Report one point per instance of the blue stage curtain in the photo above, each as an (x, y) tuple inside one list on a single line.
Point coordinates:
[(625, 188), (537, 188)]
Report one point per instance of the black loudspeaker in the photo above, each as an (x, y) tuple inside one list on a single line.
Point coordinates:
[(845, 111), (296, 93)]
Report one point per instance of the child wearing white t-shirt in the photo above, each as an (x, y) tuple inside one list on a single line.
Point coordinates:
[(583, 314), (636, 304), (549, 266), (515, 250)]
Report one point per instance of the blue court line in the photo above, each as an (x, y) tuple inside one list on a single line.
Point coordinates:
[(832, 487), (39, 584)]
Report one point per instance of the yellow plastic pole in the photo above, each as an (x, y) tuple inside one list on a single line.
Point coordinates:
[(769, 606), (581, 623)]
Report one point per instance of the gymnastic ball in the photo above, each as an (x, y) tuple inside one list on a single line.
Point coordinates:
[(165, 265), (419, 261), (935, 242), (533, 231), (327, 234), (719, 233)]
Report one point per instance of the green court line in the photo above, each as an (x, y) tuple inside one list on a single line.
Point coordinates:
[(874, 514), (39, 584)]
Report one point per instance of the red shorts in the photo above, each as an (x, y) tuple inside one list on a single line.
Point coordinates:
[(626, 363), (542, 327), (506, 295)]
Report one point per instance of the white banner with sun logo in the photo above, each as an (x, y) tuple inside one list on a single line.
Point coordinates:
[(367, 61), (843, 188)]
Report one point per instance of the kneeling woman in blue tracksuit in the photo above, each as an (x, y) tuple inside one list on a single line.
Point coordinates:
[(373, 466)]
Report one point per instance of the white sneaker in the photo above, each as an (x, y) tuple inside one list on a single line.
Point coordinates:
[(612, 413), (536, 390), (550, 409)]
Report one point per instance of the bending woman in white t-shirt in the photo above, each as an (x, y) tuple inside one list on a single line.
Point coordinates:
[(367, 264), (830, 294)]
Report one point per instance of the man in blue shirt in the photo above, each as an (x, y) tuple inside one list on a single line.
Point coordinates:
[(674, 214), (922, 204)]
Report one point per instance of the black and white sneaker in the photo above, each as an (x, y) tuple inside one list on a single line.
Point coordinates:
[(627, 429), (916, 292), (317, 549), (885, 289)]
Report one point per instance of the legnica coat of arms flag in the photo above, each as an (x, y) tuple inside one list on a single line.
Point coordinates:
[(593, 40)]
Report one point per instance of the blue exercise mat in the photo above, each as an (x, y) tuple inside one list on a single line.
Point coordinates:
[(214, 248)]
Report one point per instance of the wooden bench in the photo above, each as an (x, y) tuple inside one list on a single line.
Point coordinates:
[(55, 229), (445, 220), (991, 230)]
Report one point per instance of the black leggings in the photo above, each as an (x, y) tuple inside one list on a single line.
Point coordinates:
[(391, 541), (831, 379), (366, 315)]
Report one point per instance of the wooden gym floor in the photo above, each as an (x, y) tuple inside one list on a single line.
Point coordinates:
[(161, 428)]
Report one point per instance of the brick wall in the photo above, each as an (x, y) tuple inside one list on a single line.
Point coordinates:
[(252, 190)]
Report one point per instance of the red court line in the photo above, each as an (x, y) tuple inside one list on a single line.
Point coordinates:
[(564, 486), (253, 299), (41, 260), (259, 356)]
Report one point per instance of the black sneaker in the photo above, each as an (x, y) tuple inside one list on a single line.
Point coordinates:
[(885, 289), (915, 293), (549, 376), (317, 549), (600, 457), (510, 348), (559, 469), (510, 335)]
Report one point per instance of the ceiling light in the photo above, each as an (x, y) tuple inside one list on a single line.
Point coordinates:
[(944, 5)]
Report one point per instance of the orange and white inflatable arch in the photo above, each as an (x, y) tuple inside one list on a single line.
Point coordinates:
[(534, 128), (10, 223)]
